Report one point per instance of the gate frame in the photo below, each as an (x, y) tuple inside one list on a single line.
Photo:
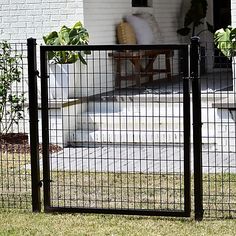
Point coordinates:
[(184, 49), (33, 120), (197, 126)]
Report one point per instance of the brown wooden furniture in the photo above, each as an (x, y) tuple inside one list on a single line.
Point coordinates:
[(142, 62)]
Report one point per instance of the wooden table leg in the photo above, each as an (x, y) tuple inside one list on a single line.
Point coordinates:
[(149, 67), (137, 70), (118, 73), (168, 69)]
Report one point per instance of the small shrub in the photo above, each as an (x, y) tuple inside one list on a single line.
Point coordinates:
[(11, 104)]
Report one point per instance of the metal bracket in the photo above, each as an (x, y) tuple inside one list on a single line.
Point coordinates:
[(38, 75), (41, 183), (187, 78)]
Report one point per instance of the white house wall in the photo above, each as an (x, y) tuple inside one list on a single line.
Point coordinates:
[(101, 18), (20, 19), (168, 15), (233, 13)]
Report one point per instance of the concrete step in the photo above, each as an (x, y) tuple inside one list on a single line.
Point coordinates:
[(121, 121), (83, 138), (137, 122), (87, 138), (135, 116)]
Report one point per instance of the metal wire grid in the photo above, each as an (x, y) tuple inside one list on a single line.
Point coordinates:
[(218, 136), (132, 188), (15, 178), (122, 146)]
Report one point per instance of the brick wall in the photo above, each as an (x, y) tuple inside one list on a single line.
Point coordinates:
[(21, 19)]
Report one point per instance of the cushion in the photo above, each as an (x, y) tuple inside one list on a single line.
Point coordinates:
[(158, 37), (142, 29), (125, 33)]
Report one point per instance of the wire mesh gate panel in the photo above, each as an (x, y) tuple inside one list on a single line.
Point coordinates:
[(119, 119), (15, 176), (218, 138)]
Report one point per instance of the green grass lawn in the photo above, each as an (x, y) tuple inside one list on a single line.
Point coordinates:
[(16, 223), (111, 190)]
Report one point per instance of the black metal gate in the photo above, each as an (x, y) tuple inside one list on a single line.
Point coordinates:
[(116, 130)]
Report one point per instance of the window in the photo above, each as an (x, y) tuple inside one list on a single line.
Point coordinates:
[(139, 3)]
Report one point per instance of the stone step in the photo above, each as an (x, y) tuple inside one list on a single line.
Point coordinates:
[(124, 137), (119, 121), (135, 123), (86, 138), (154, 108)]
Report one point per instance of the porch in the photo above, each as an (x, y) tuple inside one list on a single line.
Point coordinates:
[(135, 116), (133, 111)]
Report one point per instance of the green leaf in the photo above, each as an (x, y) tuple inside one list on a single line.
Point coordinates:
[(225, 41), (49, 39), (50, 55), (82, 59), (77, 25), (77, 35), (73, 58)]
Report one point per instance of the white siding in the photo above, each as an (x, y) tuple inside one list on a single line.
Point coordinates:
[(233, 13), (101, 18), (21, 19), (168, 16)]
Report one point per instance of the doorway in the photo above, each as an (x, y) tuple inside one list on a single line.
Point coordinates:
[(222, 18)]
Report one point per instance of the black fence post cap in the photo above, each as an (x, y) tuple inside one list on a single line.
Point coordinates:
[(195, 39)]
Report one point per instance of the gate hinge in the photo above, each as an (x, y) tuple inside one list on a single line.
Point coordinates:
[(190, 78), (41, 183), (37, 73)]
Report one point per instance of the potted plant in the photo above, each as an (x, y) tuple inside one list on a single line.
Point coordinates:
[(195, 17), (65, 66), (225, 41)]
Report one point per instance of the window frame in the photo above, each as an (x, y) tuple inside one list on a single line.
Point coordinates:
[(140, 3)]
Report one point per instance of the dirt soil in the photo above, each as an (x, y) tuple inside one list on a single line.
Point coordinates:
[(19, 143)]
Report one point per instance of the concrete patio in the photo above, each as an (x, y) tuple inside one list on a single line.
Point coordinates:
[(138, 159)]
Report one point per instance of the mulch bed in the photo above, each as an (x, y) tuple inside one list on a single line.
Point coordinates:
[(18, 143)]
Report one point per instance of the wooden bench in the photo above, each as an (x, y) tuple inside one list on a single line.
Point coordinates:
[(143, 64)]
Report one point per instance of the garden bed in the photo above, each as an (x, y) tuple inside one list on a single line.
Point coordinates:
[(19, 143)]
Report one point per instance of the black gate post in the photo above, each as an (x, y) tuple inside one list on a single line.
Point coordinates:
[(197, 127), (187, 130), (33, 117), (45, 128)]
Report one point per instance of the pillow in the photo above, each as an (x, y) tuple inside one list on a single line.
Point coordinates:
[(125, 33), (158, 37), (143, 31)]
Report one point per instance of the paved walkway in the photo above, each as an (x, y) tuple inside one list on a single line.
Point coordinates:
[(145, 159)]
